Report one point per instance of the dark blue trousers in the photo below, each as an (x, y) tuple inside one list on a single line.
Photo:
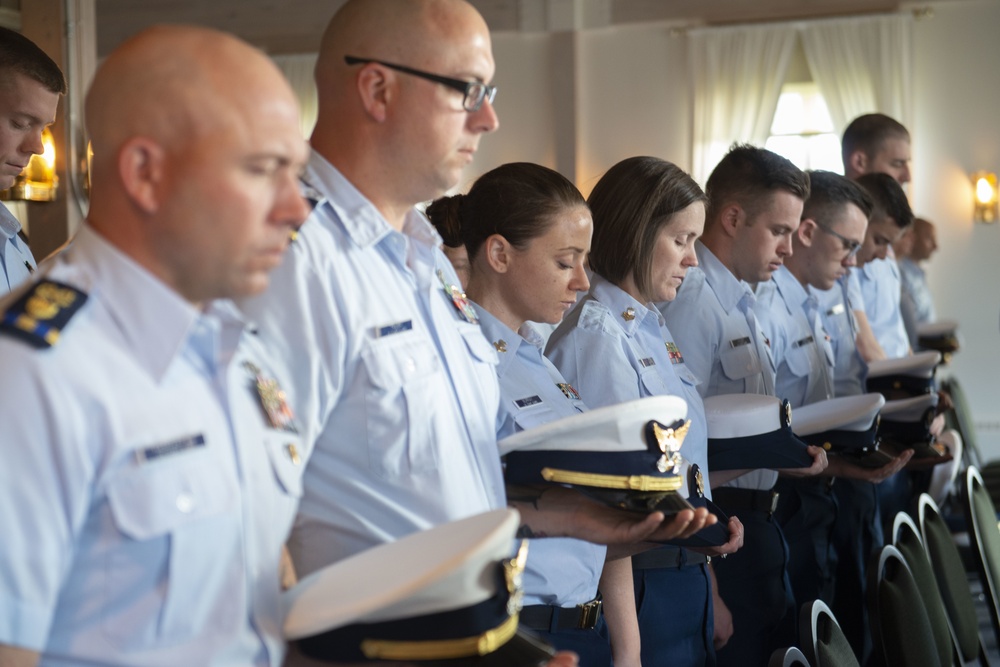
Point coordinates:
[(807, 512), (754, 584), (593, 646), (675, 615)]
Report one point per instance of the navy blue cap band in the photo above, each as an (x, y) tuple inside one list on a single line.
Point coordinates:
[(778, 449)]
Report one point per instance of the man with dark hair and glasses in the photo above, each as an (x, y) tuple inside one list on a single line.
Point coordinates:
[(828, 243)]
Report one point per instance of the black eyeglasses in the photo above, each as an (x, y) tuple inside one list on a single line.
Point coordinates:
[(852, 247), (475, 91)]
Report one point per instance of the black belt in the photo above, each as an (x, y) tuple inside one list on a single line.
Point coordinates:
[(667, 556), (734, 500), (549, 618)]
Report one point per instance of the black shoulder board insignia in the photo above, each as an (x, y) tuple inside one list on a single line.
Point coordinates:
[(40, 315)]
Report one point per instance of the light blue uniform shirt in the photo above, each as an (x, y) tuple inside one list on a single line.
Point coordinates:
[(713, 321), (881, 291), (144, 496), (789, 315), (398, 389), (614, 349), (916, 303), (850, 372), (560, 571), (16, 261)]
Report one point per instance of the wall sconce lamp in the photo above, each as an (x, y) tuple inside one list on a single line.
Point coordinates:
[(38, 181), (984, 185)]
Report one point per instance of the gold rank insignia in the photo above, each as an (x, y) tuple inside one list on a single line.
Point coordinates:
[(500, 345), (274, 403), (39, 316), (628, 314), (669, 440)]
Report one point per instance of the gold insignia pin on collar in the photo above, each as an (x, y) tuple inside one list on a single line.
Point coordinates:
[(670, 441), (500, 345), (628, 314)]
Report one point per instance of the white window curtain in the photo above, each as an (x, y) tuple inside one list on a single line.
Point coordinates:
[(298, 69), (737, 74), (863, 65)]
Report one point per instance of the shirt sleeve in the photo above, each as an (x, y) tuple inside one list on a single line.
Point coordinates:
[(595, 363), (45, 485)]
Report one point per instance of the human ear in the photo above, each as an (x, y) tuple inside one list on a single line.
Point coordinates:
[(732, 216), (376, 90), (142, 169), (858, 162), (807, 232), (498, 253)]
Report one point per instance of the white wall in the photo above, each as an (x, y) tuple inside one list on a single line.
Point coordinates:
[(956, 131), (631, 96)]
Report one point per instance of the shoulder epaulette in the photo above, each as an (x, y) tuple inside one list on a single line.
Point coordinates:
[(40, 315)]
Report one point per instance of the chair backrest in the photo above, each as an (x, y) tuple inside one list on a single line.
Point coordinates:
[(981, 517), (823, 642), (949, 571), (960, 419), (906, 538), (787, 657), (901, 630)]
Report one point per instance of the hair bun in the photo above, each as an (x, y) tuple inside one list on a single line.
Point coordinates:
[(445, 215)]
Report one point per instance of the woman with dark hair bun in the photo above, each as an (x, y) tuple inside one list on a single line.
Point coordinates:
[(527, 232), (614, 347)]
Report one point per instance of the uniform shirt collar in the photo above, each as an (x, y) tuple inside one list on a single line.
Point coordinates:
[(363, 222), (504, 340), (728, 289), (619, 302), (9, 225), (154, 321), (791, 289)]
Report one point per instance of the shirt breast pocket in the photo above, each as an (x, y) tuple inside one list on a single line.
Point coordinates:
[(740, 362), (405, 380), (180, 520), (534, 416), (801, 360)]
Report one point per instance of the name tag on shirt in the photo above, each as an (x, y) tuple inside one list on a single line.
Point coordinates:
[(527, 402), (803, 341), (176, 447), (836, 310), (390, 329), (647, 362), (739, 342)]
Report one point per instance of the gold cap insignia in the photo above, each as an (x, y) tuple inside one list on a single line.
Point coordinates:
[(513, 572), (669, 441)]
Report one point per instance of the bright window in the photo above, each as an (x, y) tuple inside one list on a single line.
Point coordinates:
[(802, 130)]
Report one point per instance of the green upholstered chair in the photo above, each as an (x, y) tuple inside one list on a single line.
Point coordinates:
[(788, 657), (901, 630), (906, 538), (981, 517), (953, 585), (823, 642)]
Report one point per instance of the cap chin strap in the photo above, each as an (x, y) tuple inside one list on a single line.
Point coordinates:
[(629, 483)]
